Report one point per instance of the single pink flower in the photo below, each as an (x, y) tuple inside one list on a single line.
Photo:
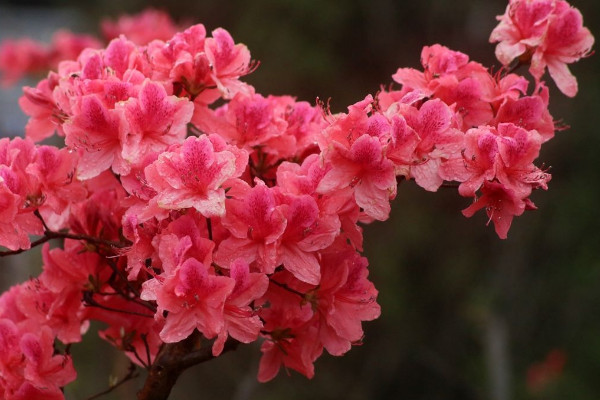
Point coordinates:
[(501, 205), (193, 174), (193, 296), (95, 130), (256, 222), (152, 121), (476, 163), (240, 321)]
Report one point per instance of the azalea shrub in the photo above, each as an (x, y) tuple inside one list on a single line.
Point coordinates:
[(194, 213)]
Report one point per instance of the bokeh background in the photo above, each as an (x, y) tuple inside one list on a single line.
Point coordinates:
[(464, 314)]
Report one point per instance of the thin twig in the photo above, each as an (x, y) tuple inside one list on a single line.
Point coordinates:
[(41, 240), (49, 235), (289, 289), (90, 302)]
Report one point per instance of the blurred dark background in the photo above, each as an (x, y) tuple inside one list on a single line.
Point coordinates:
[(464, 314)]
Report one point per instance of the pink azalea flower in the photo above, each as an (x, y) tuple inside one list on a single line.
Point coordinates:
[(343, 299), (19, 194), (530, 113), (228, 62), (354, 157), (451, 77), (364, 167), (152, 121), (518, 149), (477, 162), (96, 130), (55, 170), (45, 369), (297, 350), (549, 33), (307, 232), (29, 368), (45, 115), (193, 174), (193, 296), (256, 222), (501, 205), (434, 125), (15, 227), (293, 336), (240, 320), (62, 312), (247, 122)]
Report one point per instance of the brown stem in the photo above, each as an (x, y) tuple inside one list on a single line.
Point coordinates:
[(289, 289), (172, 360), (88, 301), (49, 235)]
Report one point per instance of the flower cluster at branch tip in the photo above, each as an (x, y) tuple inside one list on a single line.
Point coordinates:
[(240, 220), (543, 33)]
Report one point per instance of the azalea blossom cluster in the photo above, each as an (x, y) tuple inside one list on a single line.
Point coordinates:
[(188, 203), (543, 34)]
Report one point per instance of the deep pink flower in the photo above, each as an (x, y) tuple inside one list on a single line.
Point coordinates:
[(292, 334), (518, 149), (240, 321), (193, 296), (256, 221), (501, 205), (343, 299), (307, 231)]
